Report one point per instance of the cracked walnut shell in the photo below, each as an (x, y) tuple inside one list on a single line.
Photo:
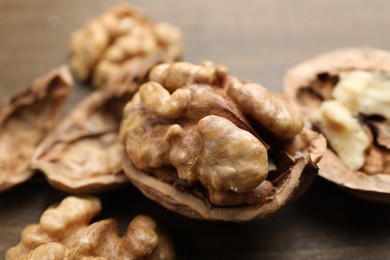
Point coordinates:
[(64, 232), (356, 81), (210, 146), (82, 153), (25, 119), (121, 37)]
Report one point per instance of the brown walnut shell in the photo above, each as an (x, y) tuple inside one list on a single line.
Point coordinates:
[(83, 154), (25, 119), (64, 232), (193, 139), (308, 84)]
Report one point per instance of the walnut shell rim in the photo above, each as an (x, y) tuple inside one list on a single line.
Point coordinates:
[(300, 176), (370, 187)]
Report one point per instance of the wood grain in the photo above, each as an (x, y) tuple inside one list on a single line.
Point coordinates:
[(258, 40)]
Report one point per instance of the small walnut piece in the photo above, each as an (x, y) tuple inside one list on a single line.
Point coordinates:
[(64, 233), (190, 146), (121, 37), (31, 113), (344, 133), (364, 92), (350, 87)]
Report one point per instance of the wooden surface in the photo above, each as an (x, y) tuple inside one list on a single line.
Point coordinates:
[(258, 41)]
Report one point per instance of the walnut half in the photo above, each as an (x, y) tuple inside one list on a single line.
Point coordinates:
[(345, 95), (64, 233), (31, 114), (204, 144), (83, 154)]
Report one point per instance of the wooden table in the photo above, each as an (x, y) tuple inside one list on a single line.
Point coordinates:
[(258, 41)]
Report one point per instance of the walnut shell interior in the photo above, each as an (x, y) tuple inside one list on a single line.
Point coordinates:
[(210, 146), (83, 154), (31, 113), (310, 83)]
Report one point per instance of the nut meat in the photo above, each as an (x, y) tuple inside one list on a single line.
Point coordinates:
[(31, 114), (345, 95), (64, 233), (119, 39), (197, 140)]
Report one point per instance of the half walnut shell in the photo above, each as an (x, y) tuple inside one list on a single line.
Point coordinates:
[(83, 154), (25, 119), (323, 79), (213, 147)]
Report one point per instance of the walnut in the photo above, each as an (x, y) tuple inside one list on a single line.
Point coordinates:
[(360, 89), (64, 233), (31, 114), (194, 146), (109, 46)]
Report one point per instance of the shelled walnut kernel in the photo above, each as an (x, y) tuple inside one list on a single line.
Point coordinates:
[(121, 37), (64, 233)]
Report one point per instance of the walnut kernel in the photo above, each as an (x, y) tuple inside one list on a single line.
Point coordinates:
[(343, 132), (193, 126), (121, 37), (64, 233)]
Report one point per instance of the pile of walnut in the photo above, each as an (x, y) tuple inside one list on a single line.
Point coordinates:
[(119, 38), (345, 94), (198, 129), (64, 233), (199, 141)]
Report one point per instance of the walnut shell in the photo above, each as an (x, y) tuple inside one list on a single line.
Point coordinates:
[(83, 154), (64, 232), (25, 119), (308, 84), (202, 144)]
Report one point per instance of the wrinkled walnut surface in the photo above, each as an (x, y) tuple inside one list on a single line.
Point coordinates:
[(121, 37), (193, 147), (308, 84), (25, 119), (64, 232)]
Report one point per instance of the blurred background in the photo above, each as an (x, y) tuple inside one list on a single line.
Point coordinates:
[(258, 40)]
